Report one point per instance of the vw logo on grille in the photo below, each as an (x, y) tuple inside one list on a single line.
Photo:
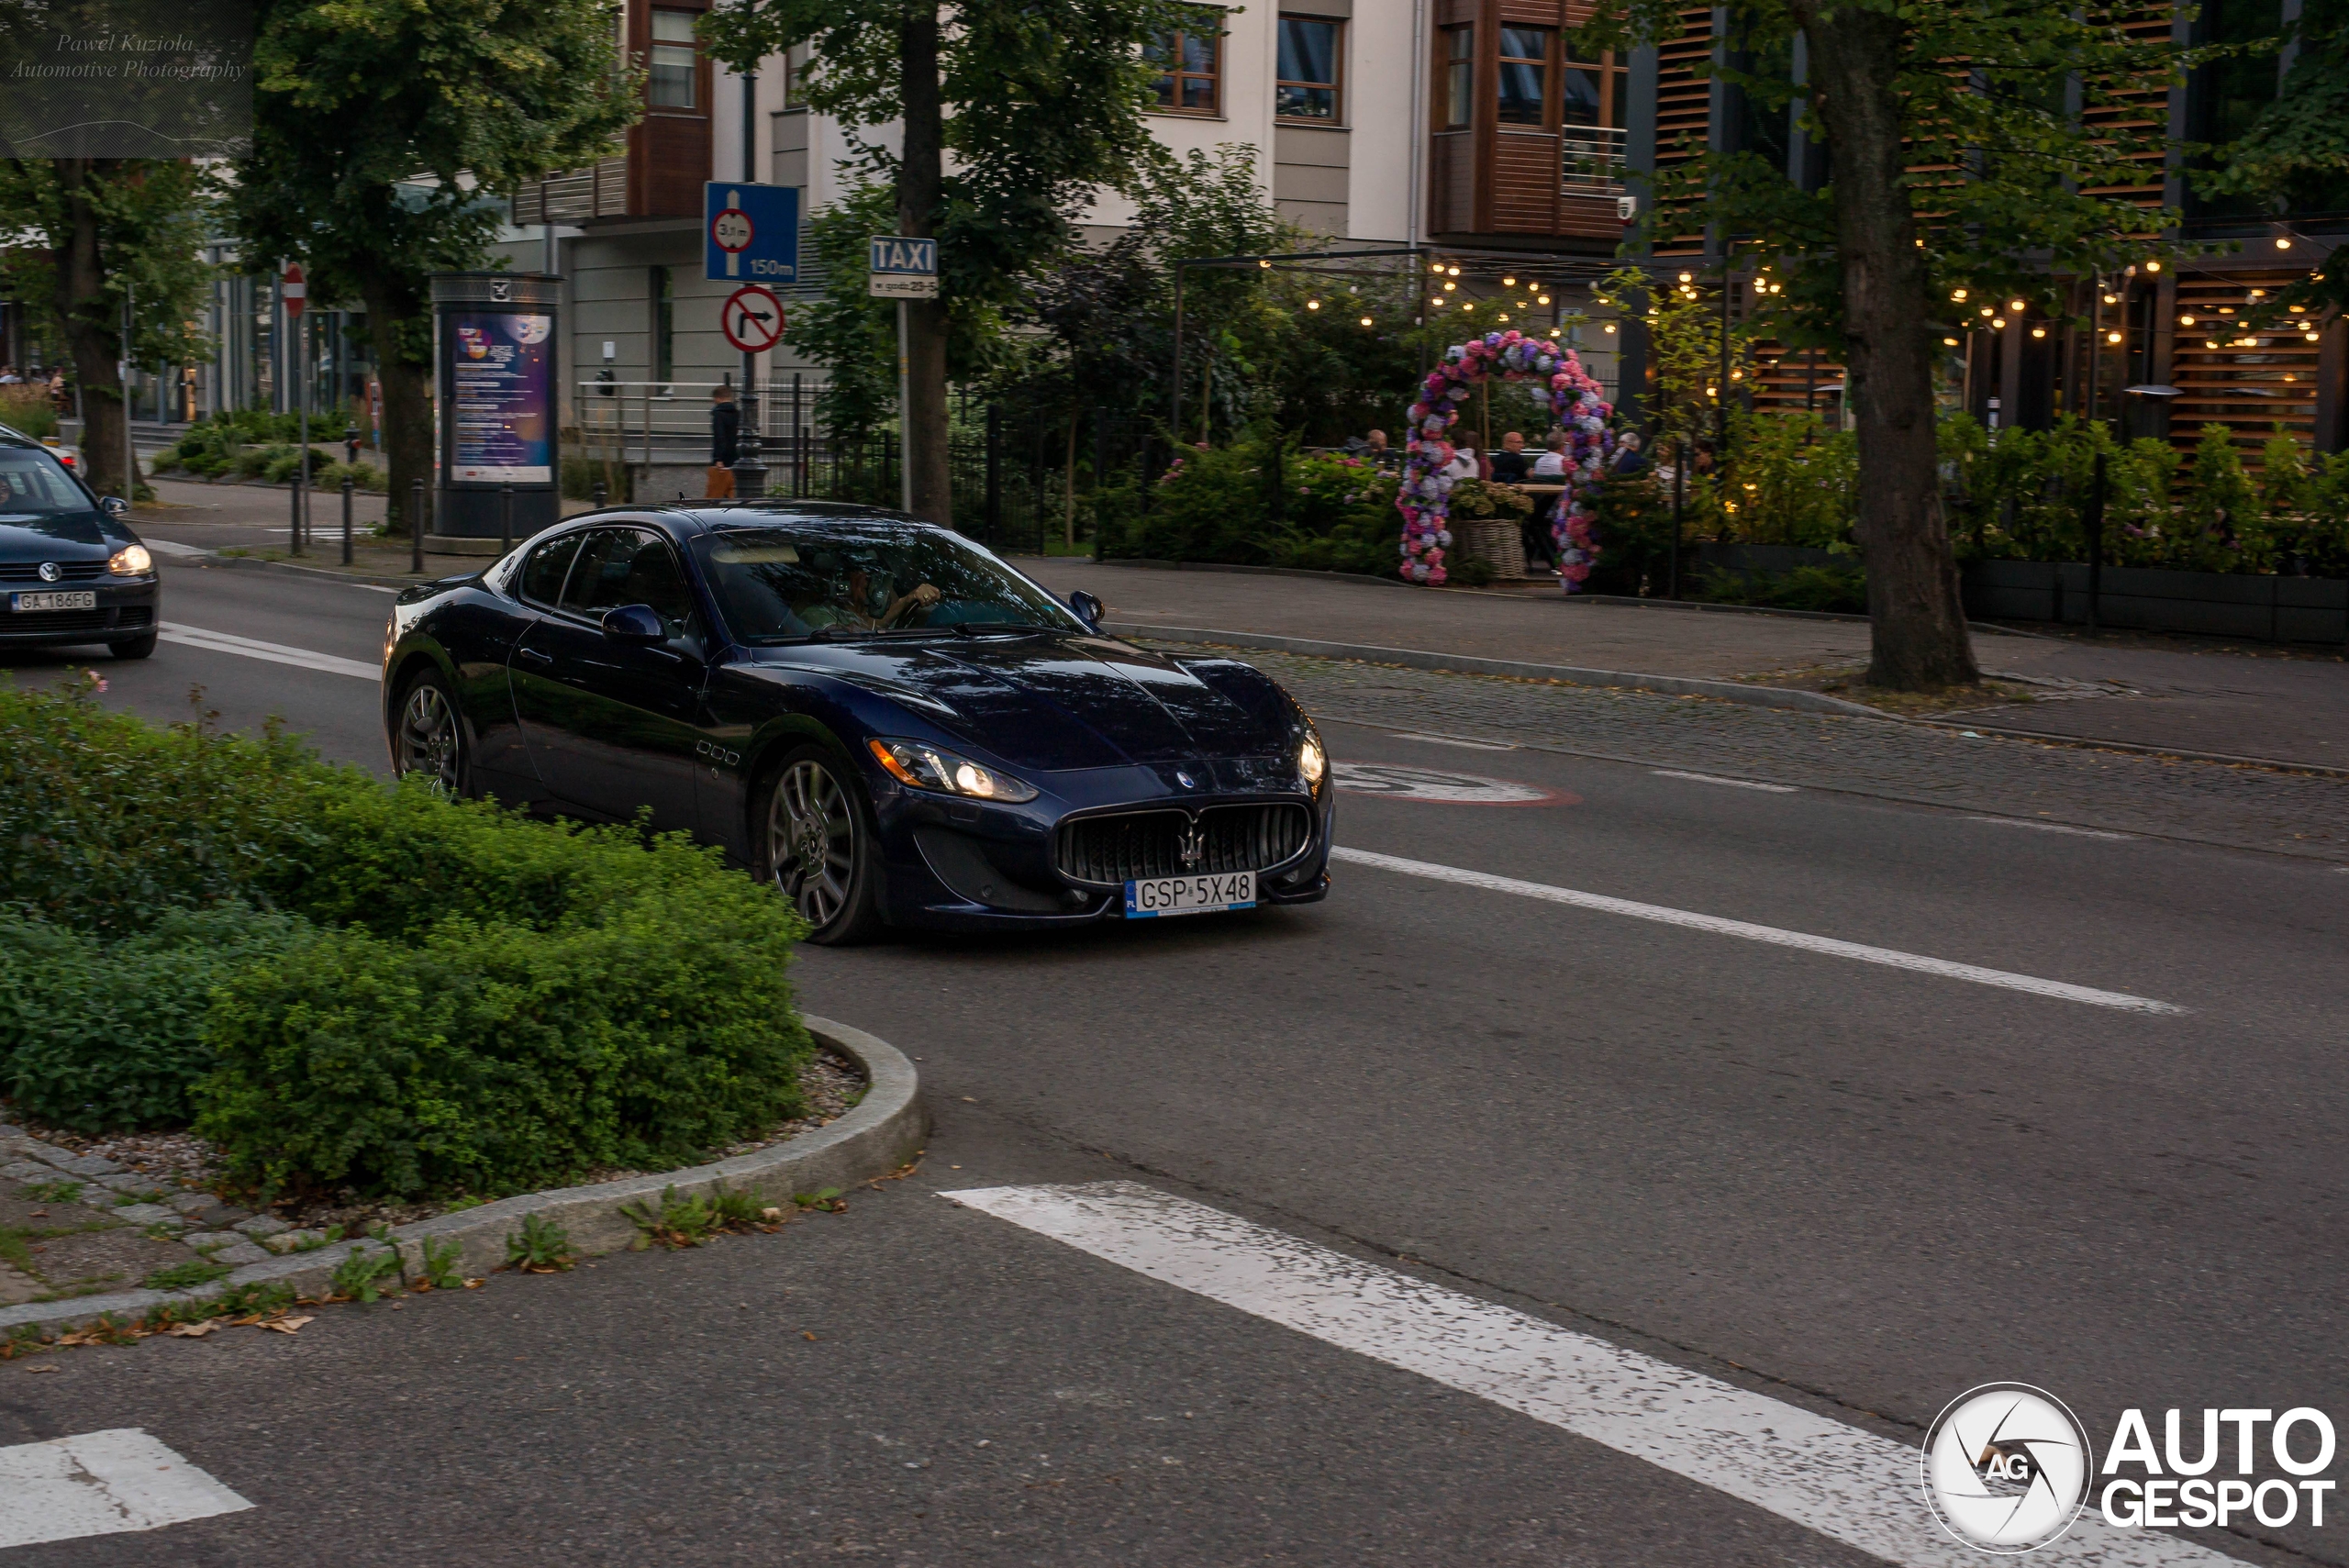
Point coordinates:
[(1180, 777), (50, 572)]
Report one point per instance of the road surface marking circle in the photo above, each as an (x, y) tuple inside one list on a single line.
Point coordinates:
[(1823, 1474), (1424, 783), (1891, 958)]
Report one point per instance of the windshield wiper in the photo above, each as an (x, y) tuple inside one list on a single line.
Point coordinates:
[(1017, 628)]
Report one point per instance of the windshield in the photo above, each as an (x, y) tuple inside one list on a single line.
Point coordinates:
[(780, 584), (39, 495)]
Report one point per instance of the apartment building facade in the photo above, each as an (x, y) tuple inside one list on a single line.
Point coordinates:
[(1484, 127)]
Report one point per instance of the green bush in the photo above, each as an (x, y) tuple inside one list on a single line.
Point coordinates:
[(487, 1002), (27, 411), (97, 1036), (496, 1057), (1259, 502), (1839, 588), (363, 476)]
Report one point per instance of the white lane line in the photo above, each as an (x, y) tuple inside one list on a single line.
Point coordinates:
[(1820, 1474), (102, 1484), (1892, 958), (1462, 740), (2052, 827), (272, 653), (1734, 784), (174, 547)]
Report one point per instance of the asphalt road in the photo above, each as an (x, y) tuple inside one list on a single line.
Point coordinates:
[(1857, 1187)]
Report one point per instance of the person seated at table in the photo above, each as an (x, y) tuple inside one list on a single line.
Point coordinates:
[(1510, 464), (1552, 464), (1628, 457)]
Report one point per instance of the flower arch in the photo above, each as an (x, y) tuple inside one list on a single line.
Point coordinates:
[(1581, 412)]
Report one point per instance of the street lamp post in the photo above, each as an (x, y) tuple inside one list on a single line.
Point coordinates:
[(749, 471)]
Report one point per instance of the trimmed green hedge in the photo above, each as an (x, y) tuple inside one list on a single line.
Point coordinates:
[(350, 983)]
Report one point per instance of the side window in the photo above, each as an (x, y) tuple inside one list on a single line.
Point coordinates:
[(542, 573), (621, 566)]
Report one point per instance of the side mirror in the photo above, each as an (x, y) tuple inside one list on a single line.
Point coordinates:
[(635, 624), (113, 505), (1088, 608)]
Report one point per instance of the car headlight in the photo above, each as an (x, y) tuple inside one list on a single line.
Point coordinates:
[(131, 561), (1311, 762), (925, 766)]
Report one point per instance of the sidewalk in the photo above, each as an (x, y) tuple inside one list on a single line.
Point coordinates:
[(2287, 705), (255, 521)]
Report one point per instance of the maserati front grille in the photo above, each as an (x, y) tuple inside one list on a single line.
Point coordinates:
[(1111, 850)]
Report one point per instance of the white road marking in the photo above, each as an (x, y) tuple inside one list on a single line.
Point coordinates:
[(1462, 740), (174, 547), (1418, 784), (2051, 828), (102, 1484), (272, 653), (1709, 778), (1820, 1474), (1891, 958)]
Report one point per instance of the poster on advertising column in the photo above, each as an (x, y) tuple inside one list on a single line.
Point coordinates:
[(502, 385)]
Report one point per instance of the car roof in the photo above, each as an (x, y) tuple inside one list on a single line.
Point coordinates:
[(695, 518)]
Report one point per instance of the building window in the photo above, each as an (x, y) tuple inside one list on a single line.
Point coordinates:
[(675, 61), (1525, 75), (1459, 76), (1190, 60), (664, 294), (1309, 80)]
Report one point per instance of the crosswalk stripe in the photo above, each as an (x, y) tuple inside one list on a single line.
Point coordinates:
[(1834, 947), (102, 1484), (1820, 1474)]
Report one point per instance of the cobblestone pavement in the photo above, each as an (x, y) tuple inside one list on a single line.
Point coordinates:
[(2250, 807), (76, 1225)]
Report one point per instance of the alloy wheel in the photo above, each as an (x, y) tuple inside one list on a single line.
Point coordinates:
[(811, 840), (430, 742)]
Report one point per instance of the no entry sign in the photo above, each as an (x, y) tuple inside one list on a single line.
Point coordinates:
[(751, 319), (294, 289)]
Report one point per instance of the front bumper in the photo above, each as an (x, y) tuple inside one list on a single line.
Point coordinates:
[(126, 608), (969, 866)]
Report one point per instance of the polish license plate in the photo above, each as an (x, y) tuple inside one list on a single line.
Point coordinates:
[(85, 599), (1147, 900)]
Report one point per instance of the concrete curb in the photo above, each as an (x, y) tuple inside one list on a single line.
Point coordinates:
[(882, 1133), (1418, 659)]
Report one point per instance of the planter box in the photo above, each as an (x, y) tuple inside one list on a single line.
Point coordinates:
[(1765, 560), (2138, 598)]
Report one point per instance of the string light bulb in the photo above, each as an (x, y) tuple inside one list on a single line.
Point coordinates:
[(1999, 322), (2112, 336), (1510, 281), (2153, 266), (1366, 320), (2017, 305), (2283, 242), (2038, 331), (1687, 277), (1957, 293), (1544, 298), (1313, 305), (1949, 342), (2186, 321)]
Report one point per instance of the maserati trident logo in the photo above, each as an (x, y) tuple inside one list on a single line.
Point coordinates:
[(1193, 847), (2005, 1468), (1185, 779), (50, 572)]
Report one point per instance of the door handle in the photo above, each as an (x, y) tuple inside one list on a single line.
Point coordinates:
[(537, 654)]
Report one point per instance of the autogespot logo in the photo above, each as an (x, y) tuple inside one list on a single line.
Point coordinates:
[(2005, 1468)]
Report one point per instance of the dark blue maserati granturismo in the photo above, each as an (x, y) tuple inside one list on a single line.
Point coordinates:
[(892, 723)]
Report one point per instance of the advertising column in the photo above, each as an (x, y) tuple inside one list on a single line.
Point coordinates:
[(495, 351)]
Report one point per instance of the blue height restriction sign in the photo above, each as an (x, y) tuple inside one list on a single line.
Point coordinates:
[(750, 233)]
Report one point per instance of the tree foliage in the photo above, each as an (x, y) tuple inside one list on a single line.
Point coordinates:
[(2295, 156), (382, 128)]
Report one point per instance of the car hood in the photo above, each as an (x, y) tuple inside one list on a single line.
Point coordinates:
[(52, 538), (1051, 703)]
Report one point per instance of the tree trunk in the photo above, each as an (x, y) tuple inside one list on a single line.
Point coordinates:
[(92, 326), (1916, 619), (408, 396), (921, 173)]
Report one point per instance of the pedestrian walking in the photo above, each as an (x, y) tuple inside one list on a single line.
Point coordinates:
[(725, 442)]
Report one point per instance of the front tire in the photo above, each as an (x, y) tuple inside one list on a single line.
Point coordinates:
[(429, 740), (816, 844), (136, 648)]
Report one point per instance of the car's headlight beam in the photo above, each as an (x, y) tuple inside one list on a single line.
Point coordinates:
[(1312, 762), (919, 765), (131, 561)]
